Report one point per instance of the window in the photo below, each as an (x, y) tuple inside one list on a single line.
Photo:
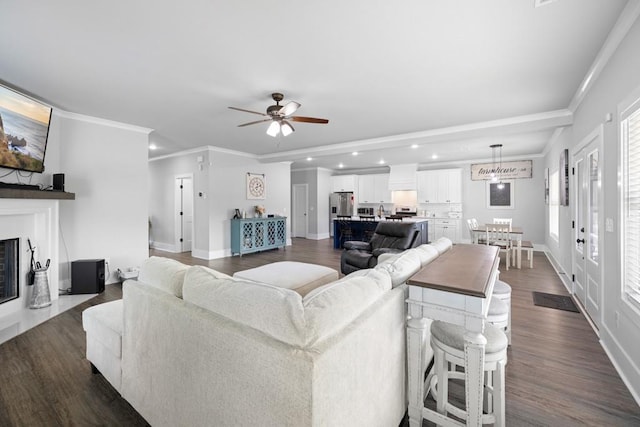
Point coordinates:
[(630, 230), (554, 205)]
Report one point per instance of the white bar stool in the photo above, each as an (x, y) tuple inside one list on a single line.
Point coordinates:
[(447, 341), (498, 314), (502, 291)]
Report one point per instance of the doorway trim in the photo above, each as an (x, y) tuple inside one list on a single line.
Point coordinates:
[(294, 213), (595, 137), (177, 245)]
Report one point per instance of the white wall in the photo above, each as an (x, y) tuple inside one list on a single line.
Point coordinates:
[(319, 184), (105, 165), (227, 192), (621, 76), (162, 176), (529, 207), (220, 188)]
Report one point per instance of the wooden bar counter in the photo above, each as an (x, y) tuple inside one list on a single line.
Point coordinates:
[(456, 288)]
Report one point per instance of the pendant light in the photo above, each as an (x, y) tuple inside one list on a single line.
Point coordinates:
[(495, 172)]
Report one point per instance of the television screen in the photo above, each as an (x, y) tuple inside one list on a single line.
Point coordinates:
[(24, 128)]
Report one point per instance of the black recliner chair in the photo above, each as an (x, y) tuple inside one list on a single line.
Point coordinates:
[(389, 237)]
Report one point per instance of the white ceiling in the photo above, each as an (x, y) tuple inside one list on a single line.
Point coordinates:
[(453, 76)]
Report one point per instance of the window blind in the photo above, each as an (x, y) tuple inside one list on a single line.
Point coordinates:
[(630, 135)]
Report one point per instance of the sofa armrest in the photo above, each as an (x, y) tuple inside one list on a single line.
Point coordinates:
[(380, 251), (356, 244)]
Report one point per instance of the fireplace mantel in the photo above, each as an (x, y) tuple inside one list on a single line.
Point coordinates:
[(18, 193)]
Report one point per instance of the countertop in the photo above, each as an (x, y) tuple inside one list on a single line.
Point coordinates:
[(377, 219)]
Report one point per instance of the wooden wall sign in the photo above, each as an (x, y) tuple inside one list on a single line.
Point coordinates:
[(509, 170)]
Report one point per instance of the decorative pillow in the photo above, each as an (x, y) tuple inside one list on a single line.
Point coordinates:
[(163, 273), (401, 268)]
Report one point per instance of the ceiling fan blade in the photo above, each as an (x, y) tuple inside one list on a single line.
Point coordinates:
[(307, 119), (289, 108), (254, 123), (247, 111)]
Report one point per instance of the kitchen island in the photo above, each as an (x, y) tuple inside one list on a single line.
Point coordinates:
[(362, 229)]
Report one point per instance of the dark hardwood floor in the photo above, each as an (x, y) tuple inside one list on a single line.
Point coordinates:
[(557, 373)]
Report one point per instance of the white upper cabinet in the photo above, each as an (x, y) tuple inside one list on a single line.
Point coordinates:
[(374, 188), (366, 189), (439, 186), (341, 183)]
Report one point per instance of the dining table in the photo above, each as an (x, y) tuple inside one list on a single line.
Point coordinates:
[(516, 235)]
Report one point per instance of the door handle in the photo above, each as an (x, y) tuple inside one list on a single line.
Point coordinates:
[(580, 241)]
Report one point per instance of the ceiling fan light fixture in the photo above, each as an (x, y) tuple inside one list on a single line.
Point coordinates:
[(273, 129), (286, 128)]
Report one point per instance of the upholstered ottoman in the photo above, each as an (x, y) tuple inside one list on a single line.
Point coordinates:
[(103, 324), (297, 276)]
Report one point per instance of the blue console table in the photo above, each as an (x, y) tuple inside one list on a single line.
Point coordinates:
[(257, 234)]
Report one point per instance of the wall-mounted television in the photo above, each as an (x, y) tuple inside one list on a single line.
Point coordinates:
[(24, 129)]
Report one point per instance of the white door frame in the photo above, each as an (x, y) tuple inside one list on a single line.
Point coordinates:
[(176, 212), (294, 213), (592, 307)]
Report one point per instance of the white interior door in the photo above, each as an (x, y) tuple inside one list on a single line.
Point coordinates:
[(184, 213), (300, 210), (587, 241)]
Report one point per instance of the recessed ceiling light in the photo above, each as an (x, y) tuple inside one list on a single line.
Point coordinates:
[(152, 146), (355, 153), (309, 159), (434, 156), (340, 165), (414, 146), (381, 162)]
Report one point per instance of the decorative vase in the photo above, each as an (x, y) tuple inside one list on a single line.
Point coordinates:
[(41, 296)]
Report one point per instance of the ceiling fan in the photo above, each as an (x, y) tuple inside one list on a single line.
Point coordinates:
[(280, 116)]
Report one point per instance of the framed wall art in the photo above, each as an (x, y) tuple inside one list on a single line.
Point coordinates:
[(500, 195), (256, 186)]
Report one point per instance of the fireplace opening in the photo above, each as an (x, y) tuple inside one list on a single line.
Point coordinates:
[(9, 269)]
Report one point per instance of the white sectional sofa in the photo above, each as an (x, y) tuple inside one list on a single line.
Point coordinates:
[(201, 348)]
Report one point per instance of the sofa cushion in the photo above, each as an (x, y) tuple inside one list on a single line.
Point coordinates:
[(332, 307), (426, 253), (271, 309), (298, 276), (401, 267), (103, 322), (163, 273), (282, 313), (442, 245)]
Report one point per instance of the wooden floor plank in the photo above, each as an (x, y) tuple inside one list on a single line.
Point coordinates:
[(557, 372)]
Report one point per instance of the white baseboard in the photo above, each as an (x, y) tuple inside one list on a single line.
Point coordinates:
[(209, 255), (318, 236), (625, 359), (167, 247)]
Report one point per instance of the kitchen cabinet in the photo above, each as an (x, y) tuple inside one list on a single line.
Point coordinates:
[(340, 183), (439, 186), (449, 228), (374, 188), (257, 234)]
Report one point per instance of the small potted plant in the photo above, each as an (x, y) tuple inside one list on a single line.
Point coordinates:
[(260, 210)]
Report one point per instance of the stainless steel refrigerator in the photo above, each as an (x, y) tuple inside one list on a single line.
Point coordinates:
[(339, 204)]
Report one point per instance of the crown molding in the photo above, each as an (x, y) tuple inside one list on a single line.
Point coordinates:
[(619, 31), (99, 121), (527, 123)]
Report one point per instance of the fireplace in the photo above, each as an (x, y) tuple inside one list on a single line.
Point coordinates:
[(9, 269)]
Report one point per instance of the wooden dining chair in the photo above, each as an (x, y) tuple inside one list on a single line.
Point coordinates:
[(507, 221), (500, 235), (472, 224)]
